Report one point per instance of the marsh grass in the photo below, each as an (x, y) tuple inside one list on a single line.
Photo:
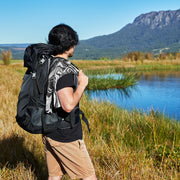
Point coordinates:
[(126, 81), (130, 143), (20, 151), (122, 144)]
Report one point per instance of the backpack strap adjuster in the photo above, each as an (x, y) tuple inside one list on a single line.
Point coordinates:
[(42, 60), (33, 75)]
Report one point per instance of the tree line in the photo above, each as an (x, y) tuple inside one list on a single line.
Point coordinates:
[(136, 56), (131, 56)]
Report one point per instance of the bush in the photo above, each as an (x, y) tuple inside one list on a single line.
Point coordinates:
[(6, 57)]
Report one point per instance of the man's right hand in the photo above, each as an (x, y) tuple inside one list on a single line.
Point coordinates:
[(82, 79)]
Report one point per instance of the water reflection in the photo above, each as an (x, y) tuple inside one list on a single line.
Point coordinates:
[(157, 90)]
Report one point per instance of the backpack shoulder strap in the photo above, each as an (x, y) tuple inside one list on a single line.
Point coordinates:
[(59, 67)]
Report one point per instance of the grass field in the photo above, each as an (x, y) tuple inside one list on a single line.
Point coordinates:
[(111, 66), (122, 144)]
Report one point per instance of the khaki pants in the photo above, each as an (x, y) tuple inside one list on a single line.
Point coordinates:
[(71, 158)]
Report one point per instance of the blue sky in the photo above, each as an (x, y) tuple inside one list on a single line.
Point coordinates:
[(29, 21)]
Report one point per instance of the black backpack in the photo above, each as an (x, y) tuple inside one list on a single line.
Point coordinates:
[(31, 114)]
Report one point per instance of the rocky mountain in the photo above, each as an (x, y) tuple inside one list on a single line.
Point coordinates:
[(158, 20), (152, 32)]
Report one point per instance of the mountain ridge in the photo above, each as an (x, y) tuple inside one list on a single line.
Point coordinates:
[(150, 31), (160, 19), (156, 31)]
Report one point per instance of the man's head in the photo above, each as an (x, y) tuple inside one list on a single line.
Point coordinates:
[(63, 37)]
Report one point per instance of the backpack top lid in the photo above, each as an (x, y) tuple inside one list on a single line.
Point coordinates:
[(34, 52)]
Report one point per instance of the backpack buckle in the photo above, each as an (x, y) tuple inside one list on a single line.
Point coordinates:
[(41, 61), (33, 75)]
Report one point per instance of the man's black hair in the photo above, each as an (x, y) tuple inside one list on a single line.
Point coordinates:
[(63, 37)]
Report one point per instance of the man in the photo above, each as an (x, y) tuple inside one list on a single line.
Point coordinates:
[(65, 149)]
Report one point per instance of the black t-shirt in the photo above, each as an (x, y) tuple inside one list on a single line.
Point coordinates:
[(68, 134)]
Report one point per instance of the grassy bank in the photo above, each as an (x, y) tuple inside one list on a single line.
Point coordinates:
[(132, 145), (118, 66), (111, 66), (122, 144), (128, 80), (101, 83)]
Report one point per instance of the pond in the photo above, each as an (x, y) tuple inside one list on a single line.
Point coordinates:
[(155, 90)]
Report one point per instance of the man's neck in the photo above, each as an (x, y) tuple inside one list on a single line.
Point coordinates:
[(64, 55)]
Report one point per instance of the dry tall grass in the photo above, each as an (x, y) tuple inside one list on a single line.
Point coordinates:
[(6, 57), (101, 64), (21, 154), (122, 145)]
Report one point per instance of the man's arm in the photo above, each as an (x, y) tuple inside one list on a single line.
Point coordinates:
[(70, 99)]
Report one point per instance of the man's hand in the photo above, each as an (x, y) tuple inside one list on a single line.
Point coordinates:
[(82, 79)]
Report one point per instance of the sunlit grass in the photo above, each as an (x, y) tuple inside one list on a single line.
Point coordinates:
[(122, 144), (128, 145), (119, 65)]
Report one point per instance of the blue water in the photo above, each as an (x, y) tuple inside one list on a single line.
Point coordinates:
[(158, 91)]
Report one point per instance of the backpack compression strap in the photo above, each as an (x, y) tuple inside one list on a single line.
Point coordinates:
[(84, 119), (73, 118)]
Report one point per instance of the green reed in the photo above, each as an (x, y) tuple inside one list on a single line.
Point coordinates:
[(102, 83), (155, 137)]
